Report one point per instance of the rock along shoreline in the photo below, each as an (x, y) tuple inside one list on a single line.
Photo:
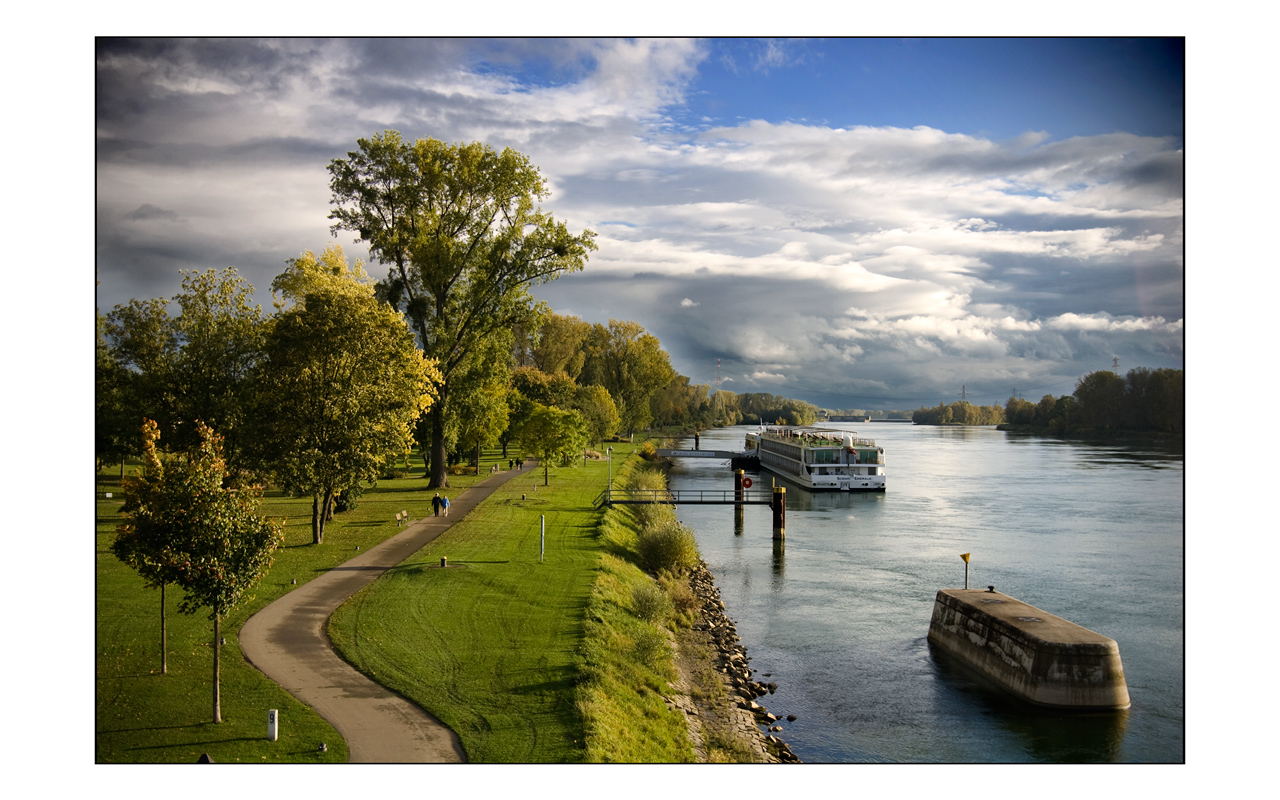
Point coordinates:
[(742, 715)]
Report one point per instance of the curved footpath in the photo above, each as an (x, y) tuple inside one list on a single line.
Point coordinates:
[(287, 641)]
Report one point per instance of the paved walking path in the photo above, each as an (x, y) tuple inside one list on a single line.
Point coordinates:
[(287, 641)]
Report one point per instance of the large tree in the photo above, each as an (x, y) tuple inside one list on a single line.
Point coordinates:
[(630, 363), (461, 231), (341, 386)]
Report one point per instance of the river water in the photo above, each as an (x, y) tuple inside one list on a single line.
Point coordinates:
[(838, 614)]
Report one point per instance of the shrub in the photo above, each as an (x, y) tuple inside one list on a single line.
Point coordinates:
[(668, 545), (652, 603), (650, 645), (684, 603), (648, 452)]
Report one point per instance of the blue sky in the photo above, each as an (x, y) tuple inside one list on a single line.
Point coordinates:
[(862, 223)]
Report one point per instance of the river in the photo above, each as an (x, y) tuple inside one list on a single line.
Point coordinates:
[(838, 614)]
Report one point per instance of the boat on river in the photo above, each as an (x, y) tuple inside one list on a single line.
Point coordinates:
[(820, 458)]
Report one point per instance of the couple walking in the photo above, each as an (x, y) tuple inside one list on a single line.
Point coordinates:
[(438, 503)]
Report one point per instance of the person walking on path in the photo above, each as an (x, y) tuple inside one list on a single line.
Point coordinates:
[(444, 503), (435, 504)]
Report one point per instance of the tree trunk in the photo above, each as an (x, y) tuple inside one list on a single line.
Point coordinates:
[(546, 480), (217, 651), (439, 471), (164, 654), (317, 520)]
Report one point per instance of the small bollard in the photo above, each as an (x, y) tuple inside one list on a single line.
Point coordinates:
[(273, 721), (444, 562)]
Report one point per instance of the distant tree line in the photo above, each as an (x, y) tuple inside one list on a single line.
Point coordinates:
[(1144, 400), (754, 408), (960, 412)]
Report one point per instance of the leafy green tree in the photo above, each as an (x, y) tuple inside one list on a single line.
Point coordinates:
[(341, 387), (559, 347), (220, 334), (1019, 412), (145, 538), (141, 340), (554, 433), (1100, 395), (183, 525), (1165, 400), (113, 425), (550, 389), (519, 409), (460, 228), (598, 411), (480, 413), (197, 366), (630, 363)]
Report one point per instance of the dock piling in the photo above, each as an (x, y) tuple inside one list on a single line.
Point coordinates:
[(779, 512)]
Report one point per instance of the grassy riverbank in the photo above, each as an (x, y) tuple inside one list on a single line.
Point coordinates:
[(144, 716), (527, 659)]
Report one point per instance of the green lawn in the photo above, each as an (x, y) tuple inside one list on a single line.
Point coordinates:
[(142, 715), (488, 645)]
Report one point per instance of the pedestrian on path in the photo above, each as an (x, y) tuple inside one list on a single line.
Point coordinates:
[(435, 504), (444, 501)]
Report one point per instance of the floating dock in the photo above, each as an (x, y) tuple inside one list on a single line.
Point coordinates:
[(1034, 655)]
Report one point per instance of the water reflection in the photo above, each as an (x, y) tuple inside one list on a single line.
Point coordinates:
[(1041, 734)]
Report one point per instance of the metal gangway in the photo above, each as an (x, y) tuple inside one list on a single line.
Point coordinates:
[(685, 497)]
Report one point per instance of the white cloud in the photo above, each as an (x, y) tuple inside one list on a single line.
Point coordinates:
[(687, 303)]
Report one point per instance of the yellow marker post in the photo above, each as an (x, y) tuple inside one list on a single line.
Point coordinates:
[(965, 556)]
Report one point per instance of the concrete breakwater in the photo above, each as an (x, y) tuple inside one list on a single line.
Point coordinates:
[(1036, 656), (743, 716)]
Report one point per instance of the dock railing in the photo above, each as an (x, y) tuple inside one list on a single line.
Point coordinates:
[(677, 497)]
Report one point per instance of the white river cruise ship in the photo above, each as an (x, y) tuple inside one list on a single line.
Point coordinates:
[(818, 458)]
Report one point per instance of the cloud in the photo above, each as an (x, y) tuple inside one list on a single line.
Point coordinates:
[(856, 262), (146, 211)]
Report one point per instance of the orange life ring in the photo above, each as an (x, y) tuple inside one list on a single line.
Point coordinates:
[(746, 483)]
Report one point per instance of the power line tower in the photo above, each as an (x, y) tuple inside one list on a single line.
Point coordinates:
[(715, 406), (1115, 363)]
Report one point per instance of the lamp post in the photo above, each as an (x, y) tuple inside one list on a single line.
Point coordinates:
[(608, 457)]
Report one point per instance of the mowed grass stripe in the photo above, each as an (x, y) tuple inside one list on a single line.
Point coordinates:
[(488, 645)]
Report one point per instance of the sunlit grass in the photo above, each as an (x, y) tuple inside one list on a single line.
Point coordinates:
[(145, 716), (490, 644)]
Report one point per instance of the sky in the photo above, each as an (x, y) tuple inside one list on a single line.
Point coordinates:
[(876, 223)]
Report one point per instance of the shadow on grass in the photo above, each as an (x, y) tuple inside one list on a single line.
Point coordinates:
[(195, 742), (152, 728)]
